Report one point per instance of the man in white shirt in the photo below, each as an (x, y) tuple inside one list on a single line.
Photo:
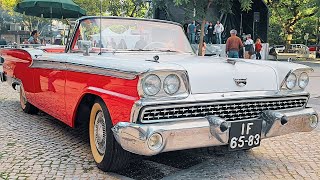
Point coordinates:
[(248, 46), (218, 29)]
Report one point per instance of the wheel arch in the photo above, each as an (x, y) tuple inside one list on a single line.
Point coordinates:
[(83, 109)]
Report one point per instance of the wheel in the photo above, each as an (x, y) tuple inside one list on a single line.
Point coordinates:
[(107, 153), (25, 105)]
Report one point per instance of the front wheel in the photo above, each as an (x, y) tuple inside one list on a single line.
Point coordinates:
[(107, 153), (25, 105)]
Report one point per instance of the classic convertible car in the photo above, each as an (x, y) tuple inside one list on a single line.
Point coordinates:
[(139, 88)]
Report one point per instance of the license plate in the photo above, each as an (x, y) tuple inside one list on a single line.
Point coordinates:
[(245, 134)]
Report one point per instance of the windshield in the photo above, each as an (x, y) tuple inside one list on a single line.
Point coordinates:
[(131, 35)]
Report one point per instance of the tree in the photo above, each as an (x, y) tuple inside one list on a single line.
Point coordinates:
[(131, 8), (290, 12), (31, 22), (203, 6)]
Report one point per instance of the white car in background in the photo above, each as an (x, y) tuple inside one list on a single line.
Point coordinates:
[(278, 48)]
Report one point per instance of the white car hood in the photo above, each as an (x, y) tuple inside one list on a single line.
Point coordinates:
[(210, 75)]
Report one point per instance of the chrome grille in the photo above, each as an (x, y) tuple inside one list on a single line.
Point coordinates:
[(231, 111)]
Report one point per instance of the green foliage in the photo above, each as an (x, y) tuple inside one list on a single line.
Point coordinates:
[(293, 16), (132, 8), (202, 6)]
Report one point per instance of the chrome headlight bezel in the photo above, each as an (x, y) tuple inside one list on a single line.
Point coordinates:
[(291, 81), (151, 81), (297, 73), (170, 81), (182, 92), (305, 80)]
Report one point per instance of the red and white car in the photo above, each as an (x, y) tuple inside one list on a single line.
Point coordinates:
[(141, 89)]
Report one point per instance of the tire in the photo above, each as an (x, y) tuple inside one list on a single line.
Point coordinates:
[(107, 153), (25, 105)]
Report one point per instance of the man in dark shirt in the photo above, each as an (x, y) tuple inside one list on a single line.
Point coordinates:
[(233, 45), (210, 33)]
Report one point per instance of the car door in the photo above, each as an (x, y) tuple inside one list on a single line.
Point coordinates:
[(49, 83)]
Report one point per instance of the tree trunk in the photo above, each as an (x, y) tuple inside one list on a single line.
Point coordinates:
[(289, 30), (201, 37)]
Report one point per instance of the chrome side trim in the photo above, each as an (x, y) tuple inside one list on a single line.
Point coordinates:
[(47, 64), (112, 93)]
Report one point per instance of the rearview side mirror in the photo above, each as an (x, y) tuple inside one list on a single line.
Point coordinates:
[(85, 46)]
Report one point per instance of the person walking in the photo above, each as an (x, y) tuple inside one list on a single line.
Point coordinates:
[(233, 45), (34, 37), (218, 29), (210, 33), (192, 32), (248, 47), (258, 48)]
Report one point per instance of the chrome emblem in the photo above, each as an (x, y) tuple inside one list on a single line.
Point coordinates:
[(240, 82)]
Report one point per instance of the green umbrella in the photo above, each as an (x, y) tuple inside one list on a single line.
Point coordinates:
[(50, 8)]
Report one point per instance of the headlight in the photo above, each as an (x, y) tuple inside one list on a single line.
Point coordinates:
[(303, 80), (291, 81), (171, 84), (151, 85)]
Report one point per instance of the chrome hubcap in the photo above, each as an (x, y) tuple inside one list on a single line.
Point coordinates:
[(100, 134)]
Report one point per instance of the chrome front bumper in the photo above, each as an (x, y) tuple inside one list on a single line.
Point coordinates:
[(205, 132)]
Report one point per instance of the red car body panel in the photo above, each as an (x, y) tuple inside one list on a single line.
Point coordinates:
[(118, 94), (59, 92), (60, 49), (16, 65)]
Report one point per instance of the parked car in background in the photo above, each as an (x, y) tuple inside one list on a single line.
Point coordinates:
[(315, 49), (144, 91), (299, 48), (277, 48)]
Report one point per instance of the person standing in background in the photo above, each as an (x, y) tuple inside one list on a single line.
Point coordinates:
[(34, 37), (248, 47), (3, 42), (210, 33), (258, 48), (192, 32), (218, 29), (233, 45), (206, 38)]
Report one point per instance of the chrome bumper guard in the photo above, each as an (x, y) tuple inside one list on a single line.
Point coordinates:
[(144, 139)]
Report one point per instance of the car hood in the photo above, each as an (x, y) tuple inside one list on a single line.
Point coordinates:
[(210, 75)]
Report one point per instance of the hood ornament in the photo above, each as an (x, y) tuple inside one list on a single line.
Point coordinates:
[(240, 82), (231, 61)]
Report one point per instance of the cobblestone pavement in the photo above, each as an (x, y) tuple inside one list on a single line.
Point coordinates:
[(41, 147)]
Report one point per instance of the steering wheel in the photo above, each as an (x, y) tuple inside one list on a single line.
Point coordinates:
[(162, 44)]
